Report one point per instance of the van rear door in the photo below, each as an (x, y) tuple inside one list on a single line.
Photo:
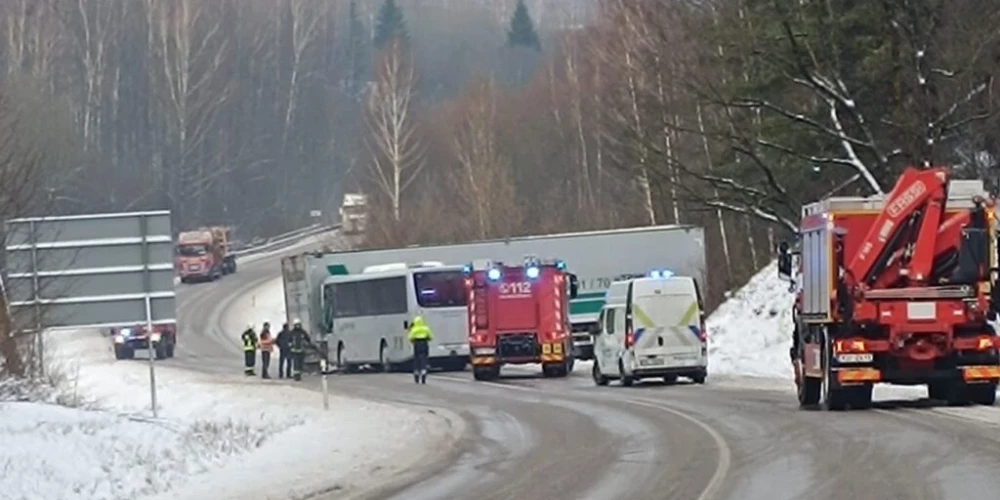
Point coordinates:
[(666, 325)]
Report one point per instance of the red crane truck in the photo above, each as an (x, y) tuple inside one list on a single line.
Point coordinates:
[(897, 289), (519, 314)]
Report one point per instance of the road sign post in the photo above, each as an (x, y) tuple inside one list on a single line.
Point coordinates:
[(94, 271)]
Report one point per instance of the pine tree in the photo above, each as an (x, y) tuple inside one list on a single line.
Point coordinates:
[(357, 47), (390, 24), (522, 29)]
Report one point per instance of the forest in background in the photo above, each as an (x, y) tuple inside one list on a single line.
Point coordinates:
[(469, 119)]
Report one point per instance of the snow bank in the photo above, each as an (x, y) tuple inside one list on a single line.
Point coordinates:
[(217, 437), (749, 334)]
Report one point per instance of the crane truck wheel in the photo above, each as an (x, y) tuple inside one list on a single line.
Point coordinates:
[(983, 394)]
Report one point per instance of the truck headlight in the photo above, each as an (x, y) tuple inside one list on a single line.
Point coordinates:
[(155, 337), (484, 351), (119, 339)]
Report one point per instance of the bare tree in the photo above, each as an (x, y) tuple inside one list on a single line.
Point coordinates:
[(396, 150), (484, 180), (191, 51)]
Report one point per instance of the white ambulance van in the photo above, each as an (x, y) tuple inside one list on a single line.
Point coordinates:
[(652, 326)]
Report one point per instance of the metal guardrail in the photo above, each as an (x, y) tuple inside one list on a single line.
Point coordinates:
[(286, 239)]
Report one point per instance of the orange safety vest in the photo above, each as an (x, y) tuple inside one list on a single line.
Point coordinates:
[(266, 343)]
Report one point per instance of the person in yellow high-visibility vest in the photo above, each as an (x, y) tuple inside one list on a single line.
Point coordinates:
[(420, 336)]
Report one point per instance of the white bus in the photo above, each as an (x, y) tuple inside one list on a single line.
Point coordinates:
[(369, 314)]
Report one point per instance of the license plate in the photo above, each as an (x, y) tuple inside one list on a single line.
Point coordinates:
[(855, 358), (650, 361)]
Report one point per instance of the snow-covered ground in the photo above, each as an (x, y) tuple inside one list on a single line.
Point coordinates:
[(217, 437)]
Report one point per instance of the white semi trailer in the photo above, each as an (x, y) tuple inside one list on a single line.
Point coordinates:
[(596, 257)]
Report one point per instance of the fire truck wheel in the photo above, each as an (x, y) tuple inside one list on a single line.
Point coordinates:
[(161, 351), (124, 353), (480, 373), (599, 378)]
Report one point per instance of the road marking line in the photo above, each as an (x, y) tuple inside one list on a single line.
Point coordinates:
[(725, 453), (722, 467)]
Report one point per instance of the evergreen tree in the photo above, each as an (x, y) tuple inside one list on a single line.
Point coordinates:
[(357, 47), (390, 24), (522, 29)]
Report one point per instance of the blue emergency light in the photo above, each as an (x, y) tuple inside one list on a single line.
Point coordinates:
[(661, 273), (532, 272)]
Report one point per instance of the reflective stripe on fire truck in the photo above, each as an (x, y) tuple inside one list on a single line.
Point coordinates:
[(849, 375), (682, 331), (980, 372)]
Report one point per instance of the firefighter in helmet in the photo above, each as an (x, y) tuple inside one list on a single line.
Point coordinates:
[(300, 341), (250, 344)]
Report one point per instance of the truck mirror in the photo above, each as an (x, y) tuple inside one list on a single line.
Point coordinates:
[(406, 325), (784, 261), (574, 286)]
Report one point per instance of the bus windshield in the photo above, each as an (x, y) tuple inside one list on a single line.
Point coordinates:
[(440, 288)]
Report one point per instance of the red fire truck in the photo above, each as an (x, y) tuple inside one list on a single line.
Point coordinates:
[(898, 289), (519, 314)]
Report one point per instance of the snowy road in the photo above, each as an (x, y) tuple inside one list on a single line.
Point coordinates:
[(533, 438)]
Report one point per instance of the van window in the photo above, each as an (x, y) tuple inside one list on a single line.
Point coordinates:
[(609, 322), (620, 320)]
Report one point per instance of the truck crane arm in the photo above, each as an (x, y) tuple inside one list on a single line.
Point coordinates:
[(911, 219)]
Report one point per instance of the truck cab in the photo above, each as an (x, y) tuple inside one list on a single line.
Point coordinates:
[(204, 254), (519, 314), (354, 213), (652, 327)]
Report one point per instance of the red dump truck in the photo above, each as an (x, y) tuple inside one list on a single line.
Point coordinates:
[(519, 314), (897, 289), (204, 254)]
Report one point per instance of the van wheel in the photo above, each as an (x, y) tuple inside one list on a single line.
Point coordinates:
[(670, 379), (699, 377), (627, 380), (599, 377)]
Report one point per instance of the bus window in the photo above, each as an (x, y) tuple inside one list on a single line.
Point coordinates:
[(369, 298), (440, 288), (388, 296)]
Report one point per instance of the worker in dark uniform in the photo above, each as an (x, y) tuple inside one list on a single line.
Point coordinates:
[(266, 346), (300, 341), (249, 338), (284, 341), (420, 336)]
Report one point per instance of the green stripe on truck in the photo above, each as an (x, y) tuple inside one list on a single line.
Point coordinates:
[(586, 306)]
